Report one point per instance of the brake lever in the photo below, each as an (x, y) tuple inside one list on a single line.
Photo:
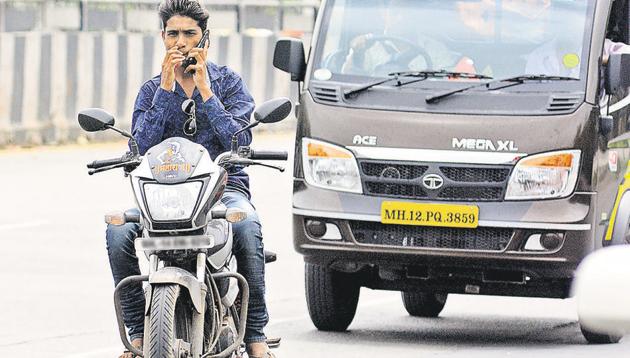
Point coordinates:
[(104, 169), (249, 162), (278, 168), (115, 166)]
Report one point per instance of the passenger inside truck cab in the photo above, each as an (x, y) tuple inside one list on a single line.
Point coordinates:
[(496, 38), (560, 55)]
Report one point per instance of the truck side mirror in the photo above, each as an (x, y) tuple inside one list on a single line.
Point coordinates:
[(618, 72), (289, 57)]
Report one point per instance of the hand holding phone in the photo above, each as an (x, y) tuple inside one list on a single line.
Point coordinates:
[(191, 60)]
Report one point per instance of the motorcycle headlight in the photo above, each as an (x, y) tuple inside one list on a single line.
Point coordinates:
[(544, 176), (172, 202), (329, 166)]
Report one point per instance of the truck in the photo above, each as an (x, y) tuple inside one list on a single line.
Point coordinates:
[(457, 147)]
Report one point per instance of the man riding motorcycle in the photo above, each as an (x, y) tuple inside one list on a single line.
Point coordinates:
[(223, 106)]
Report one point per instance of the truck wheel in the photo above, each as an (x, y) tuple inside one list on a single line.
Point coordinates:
[(599, 338), (424, 304), (331, 297)]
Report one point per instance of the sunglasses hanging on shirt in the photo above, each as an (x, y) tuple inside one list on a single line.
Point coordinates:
[(190, 126)]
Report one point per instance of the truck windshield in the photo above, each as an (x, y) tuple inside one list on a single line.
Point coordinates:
[(495, 38)]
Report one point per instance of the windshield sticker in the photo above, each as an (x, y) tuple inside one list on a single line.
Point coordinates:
[(185, 167), (172, 154), (613, 159), (571, 60), (172, 160), (322, 74)]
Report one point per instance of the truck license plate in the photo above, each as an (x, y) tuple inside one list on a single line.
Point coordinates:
[(444, 215)]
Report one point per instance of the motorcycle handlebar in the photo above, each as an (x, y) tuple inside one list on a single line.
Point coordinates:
[(105, 163), (268, 155)]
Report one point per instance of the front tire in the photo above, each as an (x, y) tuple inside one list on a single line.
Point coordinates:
[(424, 304), (331, 297), (169, 320)]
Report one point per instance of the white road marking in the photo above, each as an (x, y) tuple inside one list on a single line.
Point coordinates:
[(29, 225)]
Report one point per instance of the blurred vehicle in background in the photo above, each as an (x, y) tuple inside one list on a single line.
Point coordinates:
[(602, 290)]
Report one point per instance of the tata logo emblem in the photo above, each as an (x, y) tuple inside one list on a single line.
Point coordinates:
[(432, 181), (364, 140)]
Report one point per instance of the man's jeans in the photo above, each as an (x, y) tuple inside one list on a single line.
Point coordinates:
[(248, 249)]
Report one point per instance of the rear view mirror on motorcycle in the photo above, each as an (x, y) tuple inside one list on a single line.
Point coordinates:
[(273, 111), (95, 120)]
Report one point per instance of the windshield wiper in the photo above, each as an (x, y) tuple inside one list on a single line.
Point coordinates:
[(440, 74), (514, 81), (419, 75)]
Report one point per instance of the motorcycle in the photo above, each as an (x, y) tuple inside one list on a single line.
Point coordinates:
[(196, 302)]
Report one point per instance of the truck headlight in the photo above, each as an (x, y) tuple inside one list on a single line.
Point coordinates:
[(172, 202), (544, 176), (329, 166)]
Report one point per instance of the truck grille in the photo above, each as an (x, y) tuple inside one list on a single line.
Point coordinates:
[(483, 238), (476, 175), (408, 172), (461, 182)]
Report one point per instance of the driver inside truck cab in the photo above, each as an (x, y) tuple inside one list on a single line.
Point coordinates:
[(398, 47), (371, 53)]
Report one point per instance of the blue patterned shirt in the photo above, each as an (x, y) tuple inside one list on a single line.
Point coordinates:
[(158, 115)]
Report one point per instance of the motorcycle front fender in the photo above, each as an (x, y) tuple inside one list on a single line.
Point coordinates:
[(175, 275)]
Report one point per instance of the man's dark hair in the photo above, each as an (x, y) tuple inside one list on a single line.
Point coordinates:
[(188, 8)]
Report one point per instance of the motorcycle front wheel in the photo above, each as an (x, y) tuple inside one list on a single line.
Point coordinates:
[(169, 323)]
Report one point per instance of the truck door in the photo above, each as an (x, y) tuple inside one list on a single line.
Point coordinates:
[(614, 179)]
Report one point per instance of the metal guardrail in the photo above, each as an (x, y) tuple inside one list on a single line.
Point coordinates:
[(98, 15)]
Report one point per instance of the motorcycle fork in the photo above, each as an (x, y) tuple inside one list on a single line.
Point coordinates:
[(195, 347), (198, 318)]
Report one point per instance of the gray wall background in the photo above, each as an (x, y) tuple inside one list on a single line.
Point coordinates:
[(50, 70), (140, 15)]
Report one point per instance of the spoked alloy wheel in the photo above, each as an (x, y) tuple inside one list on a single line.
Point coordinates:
[(169, 323)]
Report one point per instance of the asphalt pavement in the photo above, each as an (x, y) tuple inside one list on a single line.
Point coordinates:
[(56, 287)]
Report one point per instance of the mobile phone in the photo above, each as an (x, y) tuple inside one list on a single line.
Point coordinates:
[(202, 43)]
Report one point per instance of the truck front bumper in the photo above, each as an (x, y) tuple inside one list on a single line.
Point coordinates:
[(495, 258)]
